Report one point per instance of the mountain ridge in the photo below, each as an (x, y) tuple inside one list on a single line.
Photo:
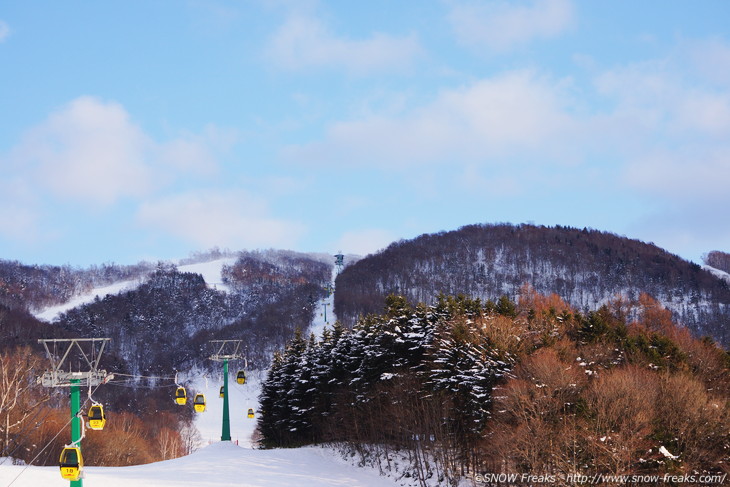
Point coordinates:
[(586, 267)]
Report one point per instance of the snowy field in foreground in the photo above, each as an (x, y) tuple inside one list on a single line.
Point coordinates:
[(219, 465)]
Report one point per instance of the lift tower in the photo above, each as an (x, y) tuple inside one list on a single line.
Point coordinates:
[(339, 262), (74, 362), (226, 350)]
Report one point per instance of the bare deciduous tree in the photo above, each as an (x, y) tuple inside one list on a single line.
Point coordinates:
[(20, 396)]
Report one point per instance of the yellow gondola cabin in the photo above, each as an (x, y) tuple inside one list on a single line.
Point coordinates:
[(199, 403), (71, 463), (241, 377), (223, 389), (97, 418), (250, 413), (181, 396)]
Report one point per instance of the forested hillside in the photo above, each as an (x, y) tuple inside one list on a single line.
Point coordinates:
[(158, 328), (465, 387), (38, 286), (165, 323), (585, 267), (718, 260)]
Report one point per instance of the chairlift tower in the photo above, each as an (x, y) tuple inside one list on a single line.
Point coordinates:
[(226, 350), (87, 353), (339, 262)]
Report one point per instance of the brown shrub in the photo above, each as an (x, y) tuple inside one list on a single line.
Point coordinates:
[(549, 317), (692, 424), (654, 316), (504, 333), (48, 430), (706, 361), (123, 441), (620, 406), (535, 427)]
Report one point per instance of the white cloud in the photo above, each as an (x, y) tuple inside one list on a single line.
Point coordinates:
[(501, 26), (704, 112), (673, 131), (304, 41), (365, 241), (18, 222), (91, 151), (515, 112), (710, 59), (663, 95), (493, 185), (232, 219), (4, 30), (696, 173)]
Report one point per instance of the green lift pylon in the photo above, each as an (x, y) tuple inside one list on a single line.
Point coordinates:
[(227, 350), (226, 429), (76, 422), (62, 352)]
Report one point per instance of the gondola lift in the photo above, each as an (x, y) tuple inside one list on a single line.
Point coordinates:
[(199, 403), (222, 393), (71, 463), (181, 396), (97, 418), (250, 413), (241, 377)]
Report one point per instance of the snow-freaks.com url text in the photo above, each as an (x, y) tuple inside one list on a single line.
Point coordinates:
[(599, 479)]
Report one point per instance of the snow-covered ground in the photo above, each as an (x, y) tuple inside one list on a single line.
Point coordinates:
[(327, 306), (51, 313), (240, 399), (221, 464), (717, 273), (211, 271)]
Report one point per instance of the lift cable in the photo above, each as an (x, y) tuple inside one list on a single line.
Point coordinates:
[(8, 454), (50, 441), (157, 377)]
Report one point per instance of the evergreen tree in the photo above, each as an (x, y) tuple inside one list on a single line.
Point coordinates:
[(465, 371), (270, 396)]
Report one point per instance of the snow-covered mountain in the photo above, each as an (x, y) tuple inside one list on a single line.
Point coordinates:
[(587, 268), (211, 271), (718, 273), (259, 297)]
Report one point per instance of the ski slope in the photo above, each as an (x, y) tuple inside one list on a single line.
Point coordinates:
[(221, 464), (717, 273), (326, 306), (240, 399), (51, 313), (211, 272), (216, 463)]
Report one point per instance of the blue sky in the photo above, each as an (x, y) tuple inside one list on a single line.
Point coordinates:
[(151, 129)]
